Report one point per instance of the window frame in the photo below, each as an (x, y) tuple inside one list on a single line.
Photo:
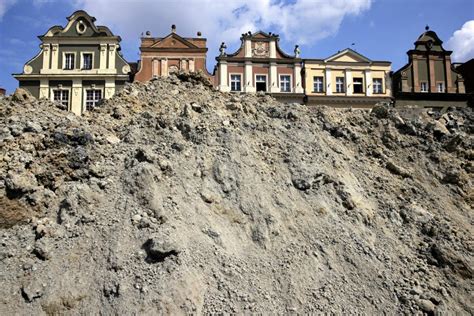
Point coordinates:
[(361, 85), (86, 90), (230, 81), (82, 60), (426, 86), (61, 89), (266, 81), (322, 84), (437, 87), (374, 85), (290, 82), (64, 60), (343, 85)]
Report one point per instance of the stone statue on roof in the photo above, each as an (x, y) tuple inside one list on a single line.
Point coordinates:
[(222, 49), (297, 51)]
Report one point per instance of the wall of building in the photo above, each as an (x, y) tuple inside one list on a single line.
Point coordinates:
[(32, 86), (312, 70)]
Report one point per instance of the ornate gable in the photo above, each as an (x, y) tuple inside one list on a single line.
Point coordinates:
[(80, 24), (429, 40)]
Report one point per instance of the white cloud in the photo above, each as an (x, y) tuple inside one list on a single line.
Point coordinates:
[(297, 21), (462, 42), (4, 6)]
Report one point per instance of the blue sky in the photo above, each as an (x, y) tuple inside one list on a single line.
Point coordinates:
[(380, 29)]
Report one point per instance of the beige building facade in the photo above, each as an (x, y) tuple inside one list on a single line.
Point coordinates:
[(347, 79), (78, 65)]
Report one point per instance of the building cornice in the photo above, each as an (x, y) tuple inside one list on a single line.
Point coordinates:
[(260, 60)]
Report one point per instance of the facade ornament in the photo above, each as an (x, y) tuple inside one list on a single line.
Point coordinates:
[(297, 51), (222, 49)]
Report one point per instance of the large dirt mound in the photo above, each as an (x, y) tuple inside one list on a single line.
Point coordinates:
[(173, 198)]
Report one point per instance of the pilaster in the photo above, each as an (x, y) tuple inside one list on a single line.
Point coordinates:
[(223, 85), (191, 65), (76, 96), (272, 49), (248, 48), (46, 56), (109, 88), (449, 78), (248, 78), (103, 57), (348, 82), (431, 73), (112, 50), (44, 88), (273, 78), (54, 56), (297, 78), (416, 78), (368, 83), (328, 81), (164, 67), (154, 67)]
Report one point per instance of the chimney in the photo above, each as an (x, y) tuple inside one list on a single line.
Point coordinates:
[(173, 28), (199, 34)]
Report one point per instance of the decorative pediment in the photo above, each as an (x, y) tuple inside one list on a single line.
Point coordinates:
[(173, 41), (348, 55), (80, 24)]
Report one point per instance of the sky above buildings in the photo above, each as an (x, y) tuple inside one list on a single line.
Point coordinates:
[(378, 29)]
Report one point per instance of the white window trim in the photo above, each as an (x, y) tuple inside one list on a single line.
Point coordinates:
[(437, 86), (381, 86), (64, 61), (82, 60), (241, 81), (266, 81), (421, 85), (51, 93), (279, 82), (362, 84), (322, 84), (84, 95), (343, 85)]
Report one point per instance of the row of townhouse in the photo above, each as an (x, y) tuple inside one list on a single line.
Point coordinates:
[(81, 63)]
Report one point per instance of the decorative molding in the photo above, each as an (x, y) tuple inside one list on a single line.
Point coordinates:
[(27, 69), (126, 69), (81, 28)]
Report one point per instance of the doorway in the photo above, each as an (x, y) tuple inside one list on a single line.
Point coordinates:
[(261, 83)]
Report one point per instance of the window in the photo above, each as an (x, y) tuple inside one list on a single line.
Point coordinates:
[(440, 86), (69, 61), (92, 97), (339, 84), (261, 82), (424, 86), (377, 84), (61, 96), (87, 61), (358, 85), (318, 84), (285, 83), (235, 82)]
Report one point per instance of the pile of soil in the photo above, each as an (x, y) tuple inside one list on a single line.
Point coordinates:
[(175, 198)]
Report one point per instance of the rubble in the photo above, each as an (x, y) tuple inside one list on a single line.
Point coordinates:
[(171, 197)]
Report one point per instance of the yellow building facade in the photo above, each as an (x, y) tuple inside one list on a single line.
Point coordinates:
[(347, 79)]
